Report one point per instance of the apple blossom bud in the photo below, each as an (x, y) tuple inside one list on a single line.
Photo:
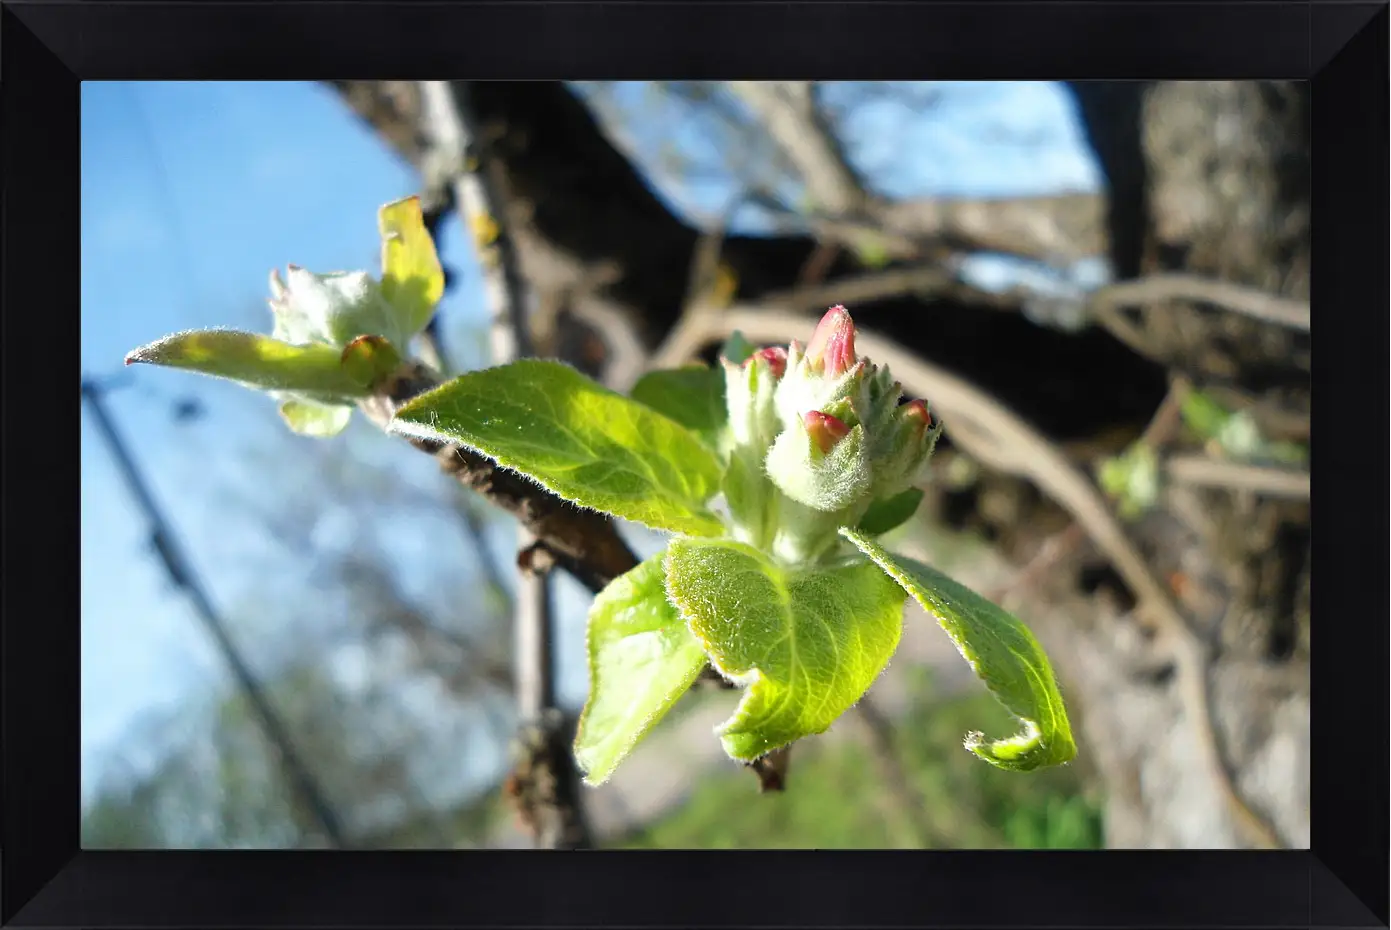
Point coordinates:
[(775, 357), (832, 345), (824, 429), (915, 411)]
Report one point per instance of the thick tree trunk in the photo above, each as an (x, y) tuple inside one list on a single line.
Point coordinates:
[(1211, 178)]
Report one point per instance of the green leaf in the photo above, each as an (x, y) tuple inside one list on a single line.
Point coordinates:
[(872, 251), (321, 421), (1204, 416), (258, 361), (641, 659), (1003, 654), (807, 644), (692, 396), (1131, 479), (890, 512), (412, 278), (736, 348), (578, 439)]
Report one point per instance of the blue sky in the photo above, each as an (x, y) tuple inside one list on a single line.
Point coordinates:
[(192, 192)]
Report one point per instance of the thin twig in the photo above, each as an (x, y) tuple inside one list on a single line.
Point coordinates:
[(999, 438), (1251, 302), (1163, 425), (1208, 472), (553, 798)]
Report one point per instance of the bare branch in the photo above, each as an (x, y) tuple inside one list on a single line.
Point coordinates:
[(788, 111), (1257, 304), (1214, 473), (1059, 228)]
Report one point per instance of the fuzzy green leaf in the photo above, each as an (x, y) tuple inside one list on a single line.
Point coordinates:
[(257, 361), (641, 659), (807, 644), (1003, 654), (578, 439), (890, 512), (692, 396)]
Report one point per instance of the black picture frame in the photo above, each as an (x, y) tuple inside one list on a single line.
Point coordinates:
[(46, 49)]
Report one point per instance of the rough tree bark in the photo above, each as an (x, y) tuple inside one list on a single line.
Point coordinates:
[(1212, 178), (1205, 178)]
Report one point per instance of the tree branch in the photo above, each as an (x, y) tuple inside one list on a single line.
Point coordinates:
[(1208, 472), (788, 111), (1248, 301), (550, 799)]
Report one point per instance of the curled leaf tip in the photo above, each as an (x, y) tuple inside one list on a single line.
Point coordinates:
[(824, 429)]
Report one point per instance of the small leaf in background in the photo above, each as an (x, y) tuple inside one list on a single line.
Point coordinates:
[(577, 439), (1003, 654), (1204, 416), (412, 279), (1131, 480), (692, 396), (258, 361), (807, 644), (1236, 435), (736, 348), (642, 658), (872, 251), (321, 421), (370, 359), (890, 513)]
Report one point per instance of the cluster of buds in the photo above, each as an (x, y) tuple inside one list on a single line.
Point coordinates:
[(826, 431), (333, 308)]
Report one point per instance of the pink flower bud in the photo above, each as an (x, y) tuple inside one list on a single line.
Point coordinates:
[(833, 343), (776, 358), (824, 429), (915, 411)]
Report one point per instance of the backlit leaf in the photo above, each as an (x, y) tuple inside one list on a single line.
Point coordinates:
[(1003, 654), (806, 644), (578, 439), (641, 659)]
